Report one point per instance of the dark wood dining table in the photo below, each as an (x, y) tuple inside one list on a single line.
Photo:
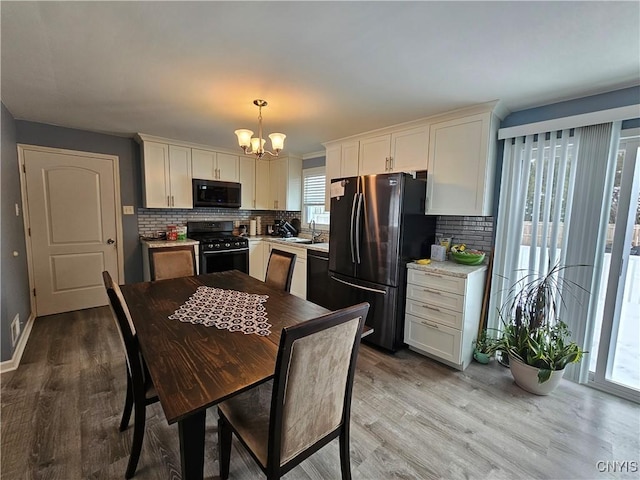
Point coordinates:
[(194, 366)]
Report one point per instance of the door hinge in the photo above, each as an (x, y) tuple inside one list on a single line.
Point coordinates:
[(34, 292), (29, 231), (24, 168)]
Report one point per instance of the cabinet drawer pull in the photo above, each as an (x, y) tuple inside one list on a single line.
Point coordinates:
[(430, 308), (435, 292), (168, 200), (432, 325)]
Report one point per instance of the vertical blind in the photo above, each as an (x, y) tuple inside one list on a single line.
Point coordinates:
[(538, 182)]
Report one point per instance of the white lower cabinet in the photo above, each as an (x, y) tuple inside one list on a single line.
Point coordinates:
[(299, 279), (442, 311), (257, 252)]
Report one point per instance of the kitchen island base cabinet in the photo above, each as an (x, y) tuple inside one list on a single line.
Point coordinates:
[(443, 311)]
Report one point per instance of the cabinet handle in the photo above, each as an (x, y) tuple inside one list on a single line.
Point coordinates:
[(173, 202), (168, 200), (432, 325), (386, 164), (430, 308), (390, 163), (435, 292)]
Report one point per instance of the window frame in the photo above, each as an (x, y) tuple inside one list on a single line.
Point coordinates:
[(313, 172)]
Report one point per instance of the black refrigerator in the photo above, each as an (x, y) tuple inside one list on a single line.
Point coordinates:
[(377, 226)]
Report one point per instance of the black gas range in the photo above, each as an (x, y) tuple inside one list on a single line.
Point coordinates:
[(219, 249)]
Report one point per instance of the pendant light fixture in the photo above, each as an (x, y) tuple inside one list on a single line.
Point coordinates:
[(255, 145)]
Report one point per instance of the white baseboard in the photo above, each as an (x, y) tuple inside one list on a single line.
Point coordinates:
[(10, 365)]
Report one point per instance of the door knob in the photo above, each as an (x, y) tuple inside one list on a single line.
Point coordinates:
[(111, 241)]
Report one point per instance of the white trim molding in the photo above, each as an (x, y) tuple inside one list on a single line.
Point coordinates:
[(14, 363), (575, 121)]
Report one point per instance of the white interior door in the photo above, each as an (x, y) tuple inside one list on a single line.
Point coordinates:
[(72, 204)]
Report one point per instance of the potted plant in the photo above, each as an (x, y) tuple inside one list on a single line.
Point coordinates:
[(536, 341), (483, 347)]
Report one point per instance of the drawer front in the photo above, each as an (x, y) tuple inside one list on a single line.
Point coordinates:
[(434, 314), (439, 298), (438, 340), (436, 281)]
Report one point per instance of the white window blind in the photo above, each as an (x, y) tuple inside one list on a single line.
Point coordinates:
[(313, 196)]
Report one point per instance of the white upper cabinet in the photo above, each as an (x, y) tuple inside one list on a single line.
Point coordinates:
[(167, 176), (263, 185), (286, 183), (403, 150), (248, 181), (374, 155), (210, 165), (409, 149), (460, 178), (341, 161)]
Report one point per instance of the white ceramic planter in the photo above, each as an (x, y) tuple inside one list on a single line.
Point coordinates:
[(526, 377)]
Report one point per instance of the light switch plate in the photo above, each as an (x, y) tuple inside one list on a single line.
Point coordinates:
[(127, 209)]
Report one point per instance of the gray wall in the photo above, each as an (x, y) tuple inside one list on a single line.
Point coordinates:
[(14, 277), (127, 151)]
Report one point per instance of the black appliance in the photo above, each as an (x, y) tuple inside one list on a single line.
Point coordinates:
[(377, 226), (219, 249), (213, 193), (319, 286)]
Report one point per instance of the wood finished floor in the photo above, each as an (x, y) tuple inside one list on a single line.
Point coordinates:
[(412, 418)]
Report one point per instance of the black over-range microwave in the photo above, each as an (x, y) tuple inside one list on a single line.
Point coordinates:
[(213, 193)]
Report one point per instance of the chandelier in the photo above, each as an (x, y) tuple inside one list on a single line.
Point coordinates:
[(255, 145)]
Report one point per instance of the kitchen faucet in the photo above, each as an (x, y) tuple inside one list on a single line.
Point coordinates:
[(314, 237)]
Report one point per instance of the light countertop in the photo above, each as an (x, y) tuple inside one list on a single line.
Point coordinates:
[(168, 243), (323, 247), (448, 268)]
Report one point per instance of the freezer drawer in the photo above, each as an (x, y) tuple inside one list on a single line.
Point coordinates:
[(438, 340), (386, 314)]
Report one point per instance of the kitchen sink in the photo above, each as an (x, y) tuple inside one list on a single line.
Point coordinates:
[(304, 241)]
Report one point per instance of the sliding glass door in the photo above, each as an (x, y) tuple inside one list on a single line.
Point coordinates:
[(615, 350)]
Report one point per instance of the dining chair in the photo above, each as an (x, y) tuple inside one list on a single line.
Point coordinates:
[(280, 269), (172, 262), (140, 389), (307, 404)]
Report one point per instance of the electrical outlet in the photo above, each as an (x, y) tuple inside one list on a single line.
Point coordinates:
[(15, 330), (127, 209)]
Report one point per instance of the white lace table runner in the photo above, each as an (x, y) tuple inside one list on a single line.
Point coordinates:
[(226, 309)]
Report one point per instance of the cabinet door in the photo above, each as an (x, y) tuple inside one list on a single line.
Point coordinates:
[(228, 167), (350, 160), (256, 259), (458, 180), (156, 175), (374, 155), (299, 279), (203, 164), (263, 185), (278, 174), (292, 184), (180, 177), (248, 181), (410, 149), (438, 340)]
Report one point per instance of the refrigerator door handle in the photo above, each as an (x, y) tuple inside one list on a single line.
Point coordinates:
[(357, 226), (375, 290), (351, 226)]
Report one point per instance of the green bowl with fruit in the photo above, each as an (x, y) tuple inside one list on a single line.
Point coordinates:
[(468, 257)]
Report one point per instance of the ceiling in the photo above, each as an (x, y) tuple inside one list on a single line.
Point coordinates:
[(190, 70)]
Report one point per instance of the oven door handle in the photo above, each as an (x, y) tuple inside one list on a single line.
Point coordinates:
[(217, 252)]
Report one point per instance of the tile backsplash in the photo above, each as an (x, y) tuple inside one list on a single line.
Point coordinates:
[(152, 220), (475, 232)]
